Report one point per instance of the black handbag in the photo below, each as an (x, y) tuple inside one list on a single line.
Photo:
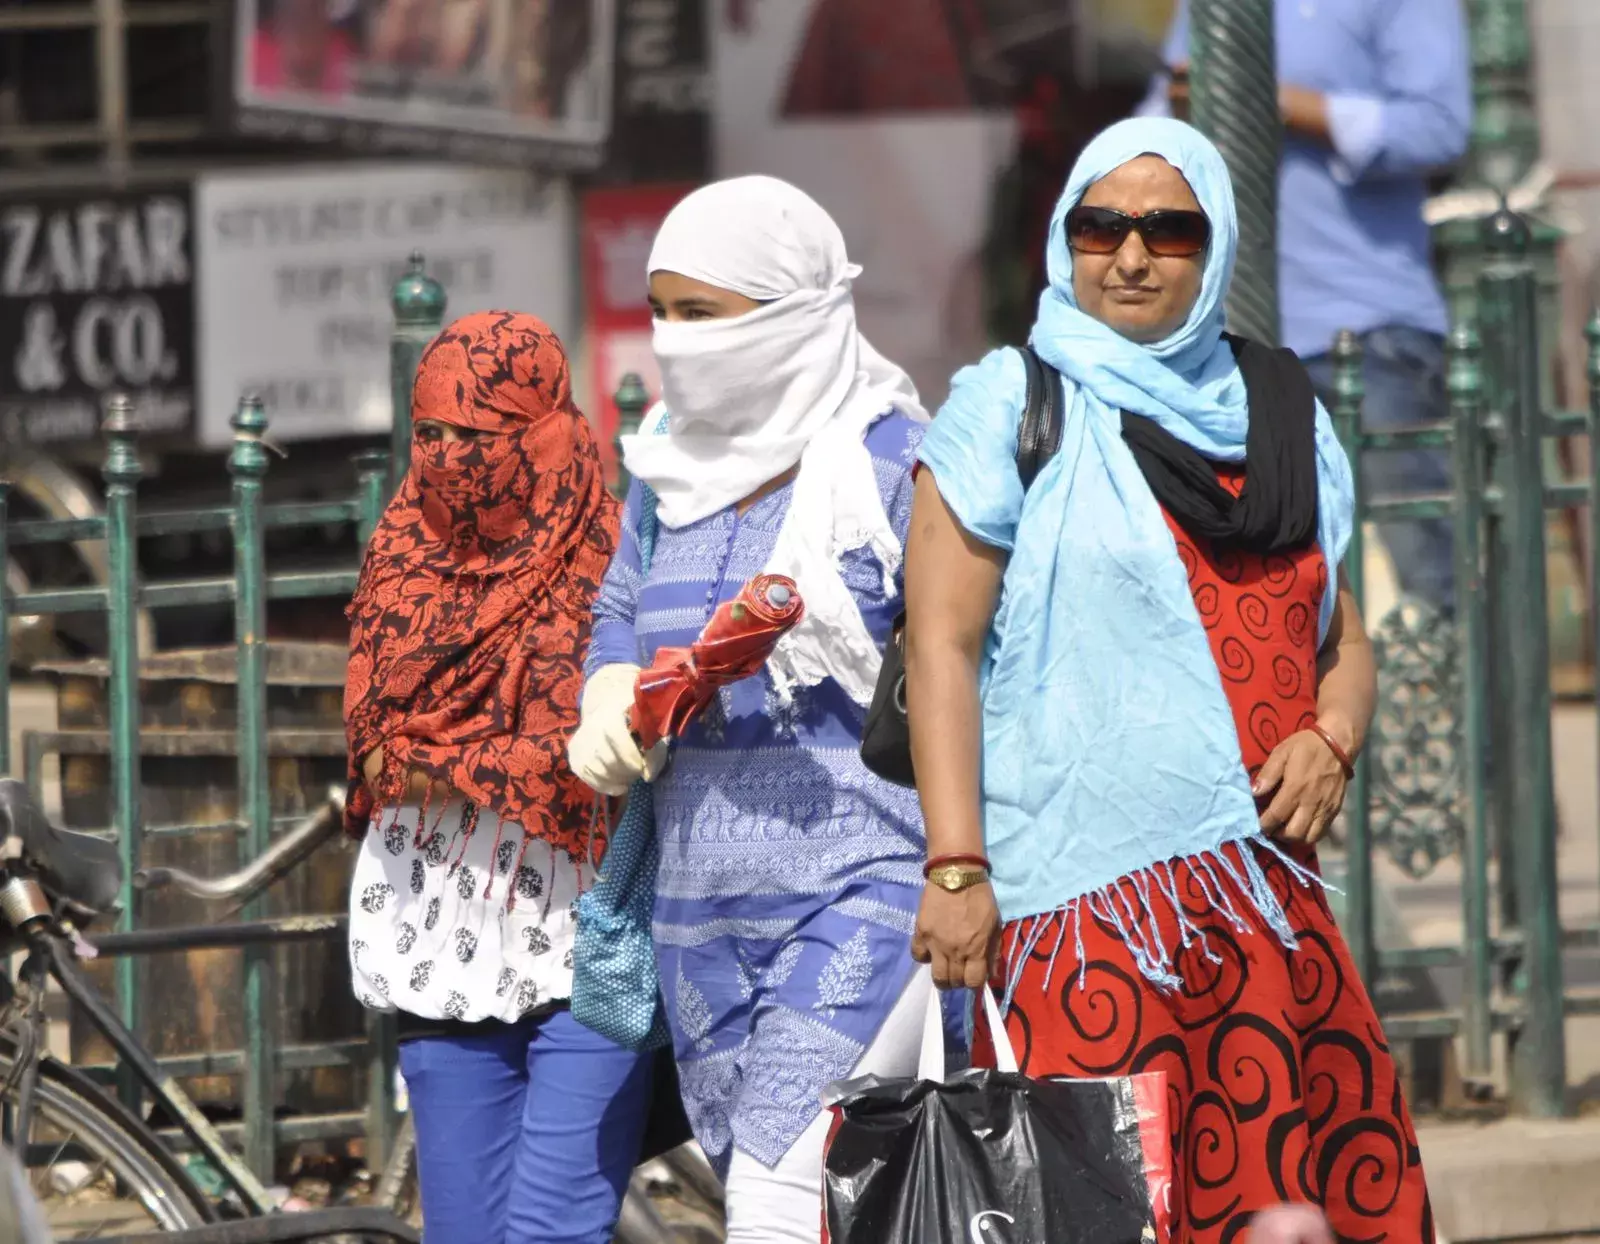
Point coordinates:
[(886, 736)]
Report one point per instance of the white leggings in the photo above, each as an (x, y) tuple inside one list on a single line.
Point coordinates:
[(784, 1205)]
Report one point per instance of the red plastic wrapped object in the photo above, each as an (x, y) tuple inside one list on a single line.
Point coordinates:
[(741, 635)]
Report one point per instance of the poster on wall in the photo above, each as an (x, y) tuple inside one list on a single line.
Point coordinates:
[(96, 299), (504, 81), (905, 163), (618, 226), (661, 127), (938, 135), (296, 269)]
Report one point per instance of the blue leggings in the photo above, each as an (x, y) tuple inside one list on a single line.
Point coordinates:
[(527, 1135)]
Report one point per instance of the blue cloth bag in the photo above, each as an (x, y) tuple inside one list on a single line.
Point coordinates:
[(616, 989)]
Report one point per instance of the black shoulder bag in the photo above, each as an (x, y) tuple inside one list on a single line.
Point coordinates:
[(886, 737)]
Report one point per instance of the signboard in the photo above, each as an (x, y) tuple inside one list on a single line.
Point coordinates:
[(296, 269), (619, 226), (96, 298), (662, 112), (503, 81)]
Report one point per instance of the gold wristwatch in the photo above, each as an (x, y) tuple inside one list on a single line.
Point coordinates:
[(957, 877)]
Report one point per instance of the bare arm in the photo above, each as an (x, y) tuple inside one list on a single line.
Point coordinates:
[(1347, 675), (1303, 778), (952, 586)]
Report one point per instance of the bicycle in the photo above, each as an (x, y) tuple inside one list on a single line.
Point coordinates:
[(54, 884)]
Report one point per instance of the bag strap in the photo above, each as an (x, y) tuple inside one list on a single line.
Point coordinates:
[(1043, 417), (649, 523), (930, 1062)]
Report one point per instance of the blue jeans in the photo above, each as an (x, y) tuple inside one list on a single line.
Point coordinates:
[(527, 1134), (1403, 372)]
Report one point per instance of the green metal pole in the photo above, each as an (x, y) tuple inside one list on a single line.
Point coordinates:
[(372, 495), (1348, 394), (631, 399), (1592, 332), (1505, 123), (122, 471), (419, 302), (1233, 78), (248, 465), (1509, 299), (5, 632), (372, 491), (1465, 383)]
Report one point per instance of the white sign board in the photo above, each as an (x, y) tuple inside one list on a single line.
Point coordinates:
[(295, 268)]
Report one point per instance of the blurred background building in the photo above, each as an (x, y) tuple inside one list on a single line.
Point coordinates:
[(204, 197)]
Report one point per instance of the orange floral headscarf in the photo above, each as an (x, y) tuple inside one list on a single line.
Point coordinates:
[(470, 623)]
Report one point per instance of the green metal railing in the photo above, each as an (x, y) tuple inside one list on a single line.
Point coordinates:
[(419, 305), (1460, 760)]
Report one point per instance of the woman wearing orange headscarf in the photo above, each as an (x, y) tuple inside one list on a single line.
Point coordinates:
[(468, 633)]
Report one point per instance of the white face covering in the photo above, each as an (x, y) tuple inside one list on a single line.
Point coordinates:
[(791, 382)]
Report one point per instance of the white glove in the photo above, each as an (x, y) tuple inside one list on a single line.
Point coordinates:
[(603, 751)]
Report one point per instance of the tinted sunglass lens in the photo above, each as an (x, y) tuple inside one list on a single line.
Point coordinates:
[(1175, 234), (1095, 231)]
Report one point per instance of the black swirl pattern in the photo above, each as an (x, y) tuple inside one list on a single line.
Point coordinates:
[(1279, 1087), (1280, 1084)]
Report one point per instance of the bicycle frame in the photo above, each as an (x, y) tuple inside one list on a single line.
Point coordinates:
[(53, 955)]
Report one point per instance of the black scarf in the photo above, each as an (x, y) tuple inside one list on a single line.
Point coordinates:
[(1277, 509)]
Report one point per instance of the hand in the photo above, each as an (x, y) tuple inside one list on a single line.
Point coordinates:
[(1309, 783), (603, 751), (1178, 90), (1290, 1224), (959, 934)]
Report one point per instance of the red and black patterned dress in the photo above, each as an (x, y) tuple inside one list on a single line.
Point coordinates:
[(1281, 1086)]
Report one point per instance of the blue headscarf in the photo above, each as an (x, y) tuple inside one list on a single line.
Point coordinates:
[(1109, 745)]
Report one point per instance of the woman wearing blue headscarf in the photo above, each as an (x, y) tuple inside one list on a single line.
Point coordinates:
[(1136, 689)]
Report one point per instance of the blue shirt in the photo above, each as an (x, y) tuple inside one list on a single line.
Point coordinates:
[(790, 875), (1353, 250)]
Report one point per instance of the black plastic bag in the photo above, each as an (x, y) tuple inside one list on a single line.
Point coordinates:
[(993, 1157)]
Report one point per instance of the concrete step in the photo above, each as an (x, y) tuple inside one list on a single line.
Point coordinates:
[(1514, 1179)]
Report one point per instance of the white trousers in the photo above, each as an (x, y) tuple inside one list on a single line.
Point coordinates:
[(784, 1205)]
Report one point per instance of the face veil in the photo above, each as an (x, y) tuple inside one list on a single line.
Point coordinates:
[(471, 620)]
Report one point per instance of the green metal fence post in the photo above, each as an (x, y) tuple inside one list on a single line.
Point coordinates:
[(372, 491), (372, 495), (122, 471), (1509, 300), (1592, 332), (5, 634), (631, 399), (248, 465), (1234, 101), (419, 302), (1348, 394), (1465, 384)]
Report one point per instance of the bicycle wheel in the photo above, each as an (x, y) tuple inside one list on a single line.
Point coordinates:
[(95, 1169)]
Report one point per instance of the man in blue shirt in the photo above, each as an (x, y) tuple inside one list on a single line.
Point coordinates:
[(1375, 95)]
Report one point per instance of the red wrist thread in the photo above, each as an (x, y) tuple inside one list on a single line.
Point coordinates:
[(939, 861), (1339, 754)]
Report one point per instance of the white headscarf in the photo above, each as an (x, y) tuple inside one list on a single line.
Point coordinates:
[(790, 382)]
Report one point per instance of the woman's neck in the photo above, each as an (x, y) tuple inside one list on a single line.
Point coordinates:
[(771, 486)]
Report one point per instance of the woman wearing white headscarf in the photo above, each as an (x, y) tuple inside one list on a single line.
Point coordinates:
[(789, 874)]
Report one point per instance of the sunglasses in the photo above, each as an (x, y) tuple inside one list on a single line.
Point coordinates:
[(1167, 234)]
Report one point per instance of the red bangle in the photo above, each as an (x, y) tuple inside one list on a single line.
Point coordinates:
[(1339, 754), (939, 861)]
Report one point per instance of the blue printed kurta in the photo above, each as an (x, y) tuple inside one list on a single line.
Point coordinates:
[(790, 875)]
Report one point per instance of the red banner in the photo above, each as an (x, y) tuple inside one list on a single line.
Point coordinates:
[(619, 225)]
